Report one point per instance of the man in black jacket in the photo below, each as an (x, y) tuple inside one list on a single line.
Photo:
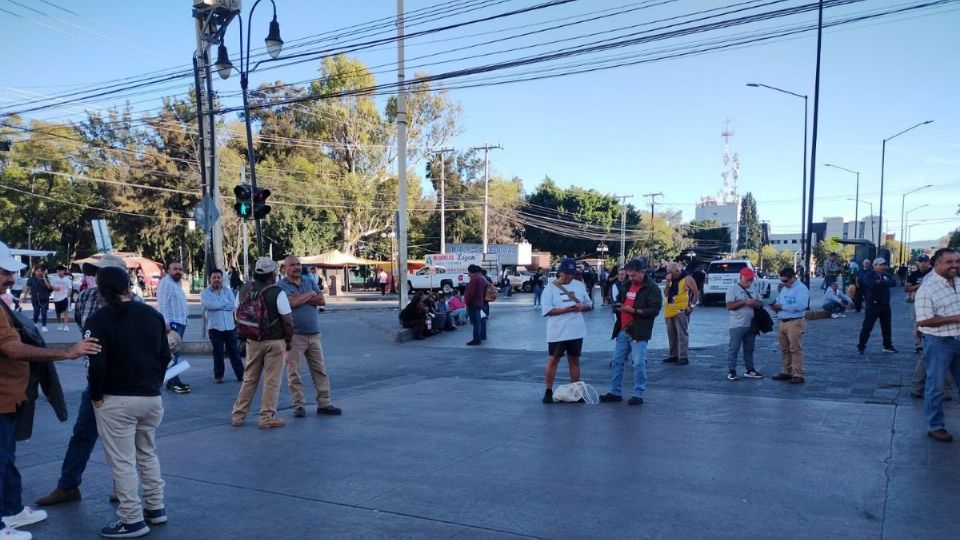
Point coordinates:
[(637, 304), (876, 299)]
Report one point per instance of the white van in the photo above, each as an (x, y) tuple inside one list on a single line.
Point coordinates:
[(723, 273)]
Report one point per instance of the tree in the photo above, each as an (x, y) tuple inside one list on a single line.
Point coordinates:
[(749, 231), (709, 239), (571, 222), (954, 239), (768, 258)]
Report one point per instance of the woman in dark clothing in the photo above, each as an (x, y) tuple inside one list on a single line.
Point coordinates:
[(125, 380), (414, 316)]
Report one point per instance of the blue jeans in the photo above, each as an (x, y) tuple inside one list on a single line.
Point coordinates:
[(943, 354), (741, 336), (637, 350), (834, 307), (179, 329), (479, 324), (459, 315), (81, 444), (537, 293), (221, 339), (10, 486)]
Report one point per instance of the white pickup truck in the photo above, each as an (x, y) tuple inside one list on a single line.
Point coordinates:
[(431, 278), (721, 274)]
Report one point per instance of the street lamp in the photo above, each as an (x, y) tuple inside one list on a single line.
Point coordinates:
[(803, 201), (224, 67), (393, 237), (903, 200), (905, 231), (30, 245), (872, 237), (883, 159), (856, 197)]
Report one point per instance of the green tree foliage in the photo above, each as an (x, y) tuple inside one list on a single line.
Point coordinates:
[(954, 241), (709, 239), (749, 232), (572, 222)]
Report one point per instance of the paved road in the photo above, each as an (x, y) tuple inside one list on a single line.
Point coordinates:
[(441, 440)]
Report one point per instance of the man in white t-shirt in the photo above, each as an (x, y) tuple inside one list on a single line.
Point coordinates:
[(62, 286), (563, 302)]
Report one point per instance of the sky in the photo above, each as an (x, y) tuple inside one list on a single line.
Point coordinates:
[(651, 127)]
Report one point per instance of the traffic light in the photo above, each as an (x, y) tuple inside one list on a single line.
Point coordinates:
[(260, 206), (244, 204)]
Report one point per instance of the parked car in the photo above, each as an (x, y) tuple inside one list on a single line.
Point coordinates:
[(520, 280), (723, 273), (436, 277)]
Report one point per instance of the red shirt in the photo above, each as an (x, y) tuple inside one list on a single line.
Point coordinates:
[(627, 318), (473, 296)]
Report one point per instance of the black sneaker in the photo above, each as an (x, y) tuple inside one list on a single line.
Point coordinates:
[(635, 401), (890, 350), (155, 517), (732, 375), (860, 349), (548, 395), (609, 398), (782, 377), (299, 412), (753, 374), (330, 410), (918, 349), (671, 360), (473, 342), (120, 529), (180, 389)]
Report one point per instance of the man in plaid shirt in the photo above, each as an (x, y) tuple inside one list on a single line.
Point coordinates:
[(938, 317)]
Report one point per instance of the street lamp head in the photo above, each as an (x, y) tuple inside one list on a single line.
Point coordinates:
[(927, 122), (223, 64), (273, 41), (753, 84)]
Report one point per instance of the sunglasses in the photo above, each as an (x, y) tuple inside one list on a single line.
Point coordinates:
[(785, 280)]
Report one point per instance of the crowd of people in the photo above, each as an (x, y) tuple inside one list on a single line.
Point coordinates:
[(132, 350)]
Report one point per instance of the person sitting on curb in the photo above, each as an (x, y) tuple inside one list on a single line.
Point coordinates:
[(835, 301), (458, 310), (414, 316)]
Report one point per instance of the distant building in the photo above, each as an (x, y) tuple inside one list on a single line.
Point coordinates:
[(727, 214)]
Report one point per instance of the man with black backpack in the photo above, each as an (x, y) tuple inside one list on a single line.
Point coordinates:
[(264, 321)]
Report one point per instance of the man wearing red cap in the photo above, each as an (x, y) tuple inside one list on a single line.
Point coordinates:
[(742, 299)]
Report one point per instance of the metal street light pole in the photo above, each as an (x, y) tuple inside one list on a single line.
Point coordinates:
[(872, 237), (486, 188), (883, 160), (856, 207), (274, 45), (443, 200), (903, 240), (803, 196), (623, 227), (903, 200)]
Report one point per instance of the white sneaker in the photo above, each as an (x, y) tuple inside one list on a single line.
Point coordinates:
[(43, 329), (66, 328), (834, 316), (12, 534), (27, 516)]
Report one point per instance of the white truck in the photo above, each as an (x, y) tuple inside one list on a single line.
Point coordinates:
[(723, 273), (431, 278)]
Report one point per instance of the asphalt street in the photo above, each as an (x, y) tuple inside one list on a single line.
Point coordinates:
[(439, 440)]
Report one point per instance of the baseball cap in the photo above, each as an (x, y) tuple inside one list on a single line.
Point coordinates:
[(747, 273), (567, 266), (109, 260), (923, 258), (265, 265), (7, 261), (879, 260)]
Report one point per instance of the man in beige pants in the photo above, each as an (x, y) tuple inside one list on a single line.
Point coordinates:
[(791, 308), (305, 297), (264, 357)]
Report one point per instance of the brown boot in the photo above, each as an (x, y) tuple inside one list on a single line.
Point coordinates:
[(58, 496), (271, 423)]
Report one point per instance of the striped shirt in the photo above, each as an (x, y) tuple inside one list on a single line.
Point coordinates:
[(89, 302), (936, 298), (171, 301)]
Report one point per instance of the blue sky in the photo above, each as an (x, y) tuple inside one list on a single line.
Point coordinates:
[(645, 128)]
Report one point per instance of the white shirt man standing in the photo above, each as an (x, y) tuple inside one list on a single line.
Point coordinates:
[(62, 286), (938, 316), (563, 303), (172, 304)]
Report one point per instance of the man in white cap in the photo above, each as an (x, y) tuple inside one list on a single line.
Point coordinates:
[(264, 356), (876, 301), (14, 374), (84, 436)]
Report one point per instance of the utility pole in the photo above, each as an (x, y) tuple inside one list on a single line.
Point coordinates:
[(443, 200), (486, 188), (243, 226), (401, 225), (653, 203), (623, 227), (808, 232), (207, 30)]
